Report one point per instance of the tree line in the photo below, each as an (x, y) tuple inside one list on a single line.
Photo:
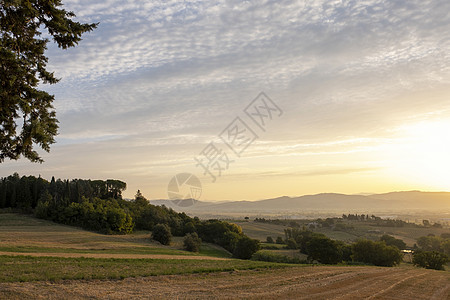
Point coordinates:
[(321, 248), (433, 251), (430, 251), (98, 205)]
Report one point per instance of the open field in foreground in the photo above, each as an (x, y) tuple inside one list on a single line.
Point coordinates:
[(288, 283), (43, 260), (23, 234)]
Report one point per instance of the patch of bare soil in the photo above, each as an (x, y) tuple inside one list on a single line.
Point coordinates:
[(290, 283)]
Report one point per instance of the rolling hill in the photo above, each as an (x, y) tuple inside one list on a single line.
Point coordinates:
[(395, 201)]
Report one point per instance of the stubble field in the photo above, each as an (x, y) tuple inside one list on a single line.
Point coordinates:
[(43, 260)]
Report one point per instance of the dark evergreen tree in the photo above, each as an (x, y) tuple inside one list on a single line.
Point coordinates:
[(23, 68)]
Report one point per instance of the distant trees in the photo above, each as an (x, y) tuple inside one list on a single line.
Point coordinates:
[(392, 241), (98, 205), (24, 192), (433, 243), (162, 234), (270, 240), (324, 250), (433, 253), (376, 253), (430, 260)]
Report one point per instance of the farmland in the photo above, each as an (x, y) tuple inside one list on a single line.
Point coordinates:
[(41, 259), (354, 231), (287, 283)]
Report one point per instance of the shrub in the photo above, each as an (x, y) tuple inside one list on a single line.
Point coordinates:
[(430, 260), (270, 240), (324, 250), (279, 240), (246, 247), (376, 253), (192, 242), (162, 234), (291, 244)]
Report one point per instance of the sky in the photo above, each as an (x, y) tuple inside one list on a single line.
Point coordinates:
[(359, 97)]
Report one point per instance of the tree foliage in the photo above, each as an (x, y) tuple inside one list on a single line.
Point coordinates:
[(430, 260), (192, 242), (98, 205), (162, 234), (376, 253), (431, 243), (324, 250), (291, 244), (392, 241), (23, 67), (246, 247)]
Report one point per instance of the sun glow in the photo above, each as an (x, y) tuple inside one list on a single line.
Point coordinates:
[(422, 154)]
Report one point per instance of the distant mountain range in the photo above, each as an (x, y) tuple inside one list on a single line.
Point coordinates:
[(395, 201)]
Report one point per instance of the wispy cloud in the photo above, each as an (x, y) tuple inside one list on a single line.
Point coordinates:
[(159, 75)]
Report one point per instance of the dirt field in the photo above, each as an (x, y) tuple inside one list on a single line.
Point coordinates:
[(290, 283)]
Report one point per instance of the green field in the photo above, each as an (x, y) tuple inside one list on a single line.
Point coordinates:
[(25, 234), (409, 235), (46, 241), (25, 268), (41, 259)]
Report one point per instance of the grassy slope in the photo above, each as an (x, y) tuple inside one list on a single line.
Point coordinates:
[(25, 234)]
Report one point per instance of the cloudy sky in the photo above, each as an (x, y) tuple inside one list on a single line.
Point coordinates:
[(363, 86)]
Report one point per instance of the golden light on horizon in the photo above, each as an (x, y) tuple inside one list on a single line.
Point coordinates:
[(421, 154)]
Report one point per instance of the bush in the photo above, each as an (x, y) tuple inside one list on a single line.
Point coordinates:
[(291, 244), (192, 242), (430, 260), (324, 250), (279, 240), (221, 233), (376, 253), (246, 247), (270, 240), (162, 234)]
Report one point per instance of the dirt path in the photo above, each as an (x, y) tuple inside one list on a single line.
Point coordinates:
[(112, 255), (291, 283)]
